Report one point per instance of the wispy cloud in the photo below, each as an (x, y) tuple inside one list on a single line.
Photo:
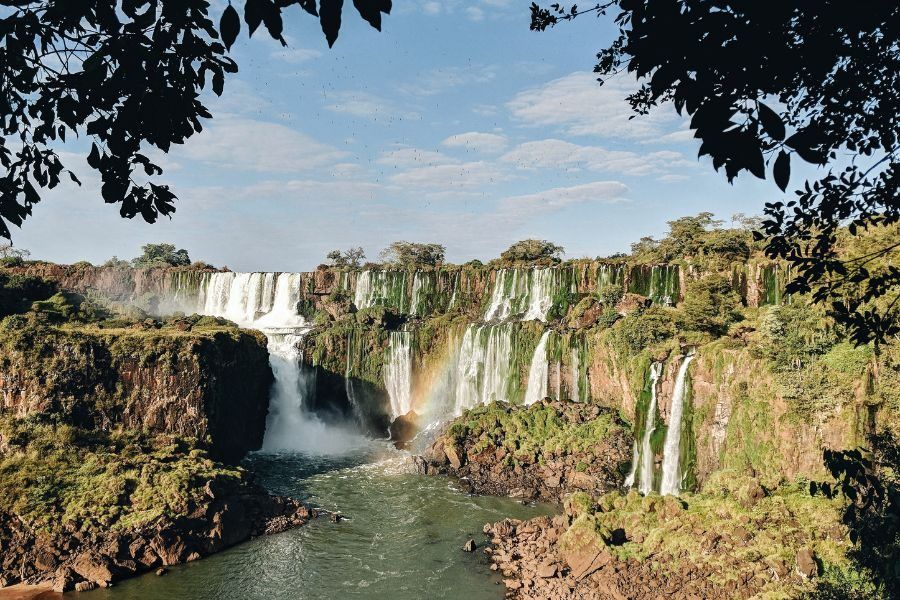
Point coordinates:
[(560, 154), (606, 192), (579, 105), (443, 79), (252, 145), (452, 176), (368, 106), (475, 141)]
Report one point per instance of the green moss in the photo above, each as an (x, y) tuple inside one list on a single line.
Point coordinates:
[(718, 531), (53, 474), (530, 432)]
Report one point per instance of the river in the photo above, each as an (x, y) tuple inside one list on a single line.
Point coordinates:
[(402, 538)]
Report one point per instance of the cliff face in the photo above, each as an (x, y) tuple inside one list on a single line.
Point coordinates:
[(210, 384)]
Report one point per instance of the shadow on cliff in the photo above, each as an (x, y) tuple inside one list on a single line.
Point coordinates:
[(339, 400)]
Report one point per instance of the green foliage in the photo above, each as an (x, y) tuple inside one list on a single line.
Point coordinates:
[(710, 306), (53, 474), (724, 532), (161, 255), (531, 432), (793, 335), (347, 259), (611, 294), (532, 251), (18, 292), (411, 255), (642, 329)]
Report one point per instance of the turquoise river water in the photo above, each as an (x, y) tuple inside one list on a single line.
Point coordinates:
[(402, 538)]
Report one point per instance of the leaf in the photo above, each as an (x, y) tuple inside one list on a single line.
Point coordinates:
[(330, 18), (94, 157), (771, 122), (781, 171), (253, 14), (230, 26), (371, 10), (309, 6), (218, 83)]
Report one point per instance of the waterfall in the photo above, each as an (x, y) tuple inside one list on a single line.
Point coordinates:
[(502, 295), (540, 295), (523, 293), (643, 453), (671, 467), (382, 288), (268, 302), (482, 367), (398, 373), (537, 374)]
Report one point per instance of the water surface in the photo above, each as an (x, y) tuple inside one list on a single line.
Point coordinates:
[(402, 538)]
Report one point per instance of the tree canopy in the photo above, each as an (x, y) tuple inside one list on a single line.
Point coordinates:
[(532, 251), (351, 258), (767, 85), (128, 75), (161, 255), (411, 255)]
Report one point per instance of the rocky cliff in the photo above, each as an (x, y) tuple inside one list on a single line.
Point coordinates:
[(206, 381)]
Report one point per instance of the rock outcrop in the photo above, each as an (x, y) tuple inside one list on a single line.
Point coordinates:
[(210, 382), (70, 558), (541, 452)]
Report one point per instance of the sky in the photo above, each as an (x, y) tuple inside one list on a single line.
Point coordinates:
[(454, 125)]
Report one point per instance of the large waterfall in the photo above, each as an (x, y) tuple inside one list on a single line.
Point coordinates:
[(538, 372), (268, 302), (398, 373), (671, 467)]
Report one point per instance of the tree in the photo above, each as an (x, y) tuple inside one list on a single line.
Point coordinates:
[(710, 305), (767, 85), (533, 251), (410, 255), (161, 255), (127, 74), (8, 251), (351, 258)]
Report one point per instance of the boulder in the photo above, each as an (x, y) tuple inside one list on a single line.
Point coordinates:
[(469, 546), (807, 567)]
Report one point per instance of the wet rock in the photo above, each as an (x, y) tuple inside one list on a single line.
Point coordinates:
[(469, 546), (404, 428), (85, 586), (161, 571)]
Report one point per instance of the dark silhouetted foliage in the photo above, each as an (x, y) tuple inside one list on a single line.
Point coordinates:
[(767, 84), (129, 75)]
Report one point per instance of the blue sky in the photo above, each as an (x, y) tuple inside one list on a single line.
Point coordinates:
[(454, 125)]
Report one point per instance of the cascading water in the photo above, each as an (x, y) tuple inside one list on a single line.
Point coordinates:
[(482, 370), (540, 295), (671, 467), (398, 373), (643, 453), (382, 288), (524, 293), (537, 374), (268, 302)]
